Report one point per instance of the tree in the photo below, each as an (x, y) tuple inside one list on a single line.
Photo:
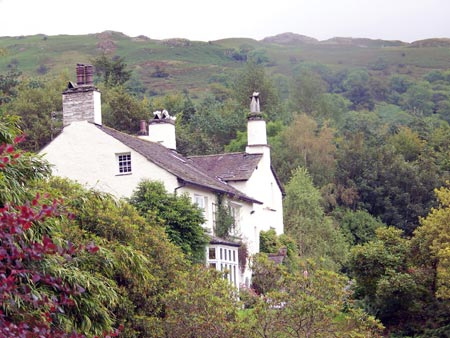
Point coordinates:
[(316, 235), (431, 239), (112, 72), (310, 303), (254, 79), (357, 226), (183, 219), (418, 99), (307, 92), (204, 305), (36, 103), (209, 127), (404, 281), (357, 90), (407, 143), (304, 144), (380, 268), (387, 185), (123, 111)]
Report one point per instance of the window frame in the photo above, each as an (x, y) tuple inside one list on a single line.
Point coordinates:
[(124, 165)]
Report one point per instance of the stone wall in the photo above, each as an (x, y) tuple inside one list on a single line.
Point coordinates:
[(81, 104)]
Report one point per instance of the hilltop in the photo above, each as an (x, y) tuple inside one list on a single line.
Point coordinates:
[(195, 65)]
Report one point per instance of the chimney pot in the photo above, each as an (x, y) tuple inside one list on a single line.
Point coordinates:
[(89, 69), (80, 74), (143, 128)]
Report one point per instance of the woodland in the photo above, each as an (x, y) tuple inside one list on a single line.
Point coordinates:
[(360, 140)]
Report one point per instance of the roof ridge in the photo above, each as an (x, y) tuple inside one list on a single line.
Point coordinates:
[(211, 155)]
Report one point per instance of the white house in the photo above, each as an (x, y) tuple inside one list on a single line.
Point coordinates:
[(115, 162)]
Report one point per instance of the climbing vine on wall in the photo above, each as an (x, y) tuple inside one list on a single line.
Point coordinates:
[(224, 219)]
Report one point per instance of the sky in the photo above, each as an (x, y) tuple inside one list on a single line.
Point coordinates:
[(205, 20)]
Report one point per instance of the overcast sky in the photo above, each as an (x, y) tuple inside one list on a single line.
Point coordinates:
[(406, 20)]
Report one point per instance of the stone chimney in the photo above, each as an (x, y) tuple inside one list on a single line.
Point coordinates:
[(161, 129), (82, 101)]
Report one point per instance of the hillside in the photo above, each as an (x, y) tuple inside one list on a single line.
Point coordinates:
[(195, 65)]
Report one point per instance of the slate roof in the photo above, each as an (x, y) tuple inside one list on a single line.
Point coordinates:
[(229, 167), (232, 167), (183, 168)]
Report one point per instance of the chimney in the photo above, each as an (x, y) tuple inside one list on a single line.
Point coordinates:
[(82, 101), (161, 129), (256, 130), (143, 128), (256, 126)]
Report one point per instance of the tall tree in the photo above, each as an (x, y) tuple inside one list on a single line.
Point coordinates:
[(111, 71), (316, 235)]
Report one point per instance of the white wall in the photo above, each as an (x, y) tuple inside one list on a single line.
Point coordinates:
[(84, 153), (262, 186), (163, 133)]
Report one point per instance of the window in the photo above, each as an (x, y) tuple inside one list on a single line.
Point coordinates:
[(235, 211), (124, 161), (212, 253), (223, 258), (202, 203)]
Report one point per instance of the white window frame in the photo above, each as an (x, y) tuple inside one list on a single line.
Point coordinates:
[(124, 163), (227, 263), (235, 211), (202, 202)]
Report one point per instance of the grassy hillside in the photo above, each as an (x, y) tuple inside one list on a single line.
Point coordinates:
[(194, 65)]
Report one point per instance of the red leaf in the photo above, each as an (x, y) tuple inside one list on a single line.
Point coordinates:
[(92, 248), (9, 148)]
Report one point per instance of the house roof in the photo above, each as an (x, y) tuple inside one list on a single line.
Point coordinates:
[(229, 167), (232, 167), (183, 168)]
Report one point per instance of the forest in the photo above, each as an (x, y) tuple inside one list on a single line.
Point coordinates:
[(363, 153)]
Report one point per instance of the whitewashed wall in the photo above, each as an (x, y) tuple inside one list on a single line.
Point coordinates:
[(84, 153)]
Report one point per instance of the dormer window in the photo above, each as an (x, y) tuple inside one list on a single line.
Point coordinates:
[(124, 161)]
